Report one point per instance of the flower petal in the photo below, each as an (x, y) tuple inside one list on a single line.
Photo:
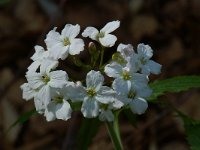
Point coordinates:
[(121, 86), (44, 95), (70, 31), (154, 67), (39, 51), (138, 105), (111, 26), (50, 112), (144, 51), (34, 80), (76, 47), (94, 79), (59, 51), (105, 95), (28, 92), (108, 40), (125, 50), (106, 115), (63, 111), (113, 70), (90, 32), (58, 79), (90, 108), (53, 38), (76, 92)]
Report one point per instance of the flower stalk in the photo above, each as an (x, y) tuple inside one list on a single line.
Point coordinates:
[(113, 129)]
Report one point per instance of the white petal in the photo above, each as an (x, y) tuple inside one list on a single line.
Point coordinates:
[(53, 38), (63, 111), (144, 51), (111, 26), (125, 50), (44, 95), (113, 70), (121, 86), (154, 67), (77, 45), (39, 51), (39, 106), (105, 95), (34, 66), (59, 51), (34, 80), (50, 112), (144, 92), (76, 92), (58, 79), (117, 104), (108, 40), (94, 79), (139, 105), (28, 92), (70, 31), (139, 80), (106, 115), (90, 32), (90, 108), (47, 65)]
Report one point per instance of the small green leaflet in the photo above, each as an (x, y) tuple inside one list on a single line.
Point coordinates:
[(192, 129), (23, 118), (174, 85)]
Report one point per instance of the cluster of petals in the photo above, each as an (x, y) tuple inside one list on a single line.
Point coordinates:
[(53, 93)]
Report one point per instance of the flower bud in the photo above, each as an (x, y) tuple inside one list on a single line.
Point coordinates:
[(118, 58)]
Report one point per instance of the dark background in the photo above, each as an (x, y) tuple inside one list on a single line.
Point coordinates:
[(170, 27)]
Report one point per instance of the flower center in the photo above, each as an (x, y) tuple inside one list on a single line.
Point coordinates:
[(143, 61), (91, 92), (66, 41), (58, 99), (101, 35), (131, 94), (104, 106), (126, 75), (45, 79)]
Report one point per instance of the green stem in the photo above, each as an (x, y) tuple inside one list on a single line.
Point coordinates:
[(102, 54), (113, 129)]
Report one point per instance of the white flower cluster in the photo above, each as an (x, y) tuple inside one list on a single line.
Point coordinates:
[(54, 94)]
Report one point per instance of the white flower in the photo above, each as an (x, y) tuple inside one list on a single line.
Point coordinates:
[(92, 95), (129, 96), (59, 107), (126, 75), (143, 59), (59, 45), (43, 81), (103, 36), (42, 59)]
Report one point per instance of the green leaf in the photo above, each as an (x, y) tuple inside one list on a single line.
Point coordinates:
[(89, 128), (23, 118), (175, 84), (192, 129)]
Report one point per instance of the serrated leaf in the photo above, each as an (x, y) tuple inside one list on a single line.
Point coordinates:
[(23, 118), (88, 129), (192, 129), (174, 85)]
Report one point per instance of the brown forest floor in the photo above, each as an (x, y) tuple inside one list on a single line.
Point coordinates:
[(172, 28)]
